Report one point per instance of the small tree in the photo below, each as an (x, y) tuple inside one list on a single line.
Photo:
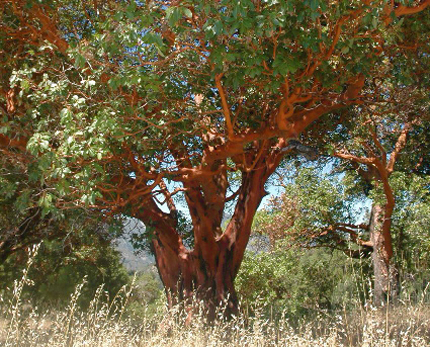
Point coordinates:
[(378, 140), (370, 145)]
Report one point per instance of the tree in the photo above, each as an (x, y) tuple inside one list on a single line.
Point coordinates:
[(410, 231), (317, 208), (373, 145), (61, 265), (130, 105), (379, 165), (335, 210), (25, 218)]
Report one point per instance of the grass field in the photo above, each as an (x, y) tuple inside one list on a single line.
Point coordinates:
[(114, 322), (108, 323)]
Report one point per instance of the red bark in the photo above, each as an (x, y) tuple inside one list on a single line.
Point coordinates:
[(211, 267), (207, 272), (378, 172)]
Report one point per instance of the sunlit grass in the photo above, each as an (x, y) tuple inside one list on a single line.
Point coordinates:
[(109, 322)]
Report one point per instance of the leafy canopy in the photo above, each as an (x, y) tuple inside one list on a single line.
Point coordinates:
[(110, 100)]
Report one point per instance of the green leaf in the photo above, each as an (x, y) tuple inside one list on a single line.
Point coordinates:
[(45, 202), (79, 60), (313, 4), (345, 49), (23, 201), (173, 15), (131, 10), (188, 13)]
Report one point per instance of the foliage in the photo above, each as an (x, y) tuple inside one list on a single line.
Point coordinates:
[(289, 281), (26, 217), (118, 81), (118, 107), (410, 226), (312, 204), (62, 264)]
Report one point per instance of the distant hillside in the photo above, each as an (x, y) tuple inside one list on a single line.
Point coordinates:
[(132, 260)]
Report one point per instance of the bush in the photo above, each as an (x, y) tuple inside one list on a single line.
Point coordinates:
[(57, 270), (300, 282)]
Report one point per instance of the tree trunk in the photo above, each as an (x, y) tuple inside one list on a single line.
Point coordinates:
[(385, 274), (188, 281), (207, 272)]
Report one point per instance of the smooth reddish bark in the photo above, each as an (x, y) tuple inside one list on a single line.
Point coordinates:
[(207, 272), (211, 267), (378, 173)]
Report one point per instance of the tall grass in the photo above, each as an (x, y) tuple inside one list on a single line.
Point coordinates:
[(108, 322)]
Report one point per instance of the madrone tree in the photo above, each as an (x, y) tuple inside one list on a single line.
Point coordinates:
[(374, 147), (124, 106), (386, 135)]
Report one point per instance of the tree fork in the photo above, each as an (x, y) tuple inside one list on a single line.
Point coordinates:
[(208, 271)]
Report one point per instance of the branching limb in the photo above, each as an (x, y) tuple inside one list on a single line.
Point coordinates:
[(225, 107), (400, 144)]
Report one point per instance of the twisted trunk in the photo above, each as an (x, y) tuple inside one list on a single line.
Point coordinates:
[(186, 277), (206, 272)]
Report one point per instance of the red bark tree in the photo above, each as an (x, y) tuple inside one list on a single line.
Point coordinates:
[(111, 102), (379, 167)]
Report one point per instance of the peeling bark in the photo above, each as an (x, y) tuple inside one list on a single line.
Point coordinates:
[(187, 276), (211, 267)]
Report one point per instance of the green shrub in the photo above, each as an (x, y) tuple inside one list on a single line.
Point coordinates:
[(58, 269), (300, 282)]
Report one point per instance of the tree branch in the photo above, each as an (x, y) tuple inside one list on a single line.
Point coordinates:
[(400, 144), (403, 10), (225, 107)]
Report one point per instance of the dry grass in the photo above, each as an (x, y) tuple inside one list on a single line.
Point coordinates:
[(106, 323), (408, 327)]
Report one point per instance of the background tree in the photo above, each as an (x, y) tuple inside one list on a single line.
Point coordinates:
[(315, 210), (61, 264), (130, 104), (374, 147)]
